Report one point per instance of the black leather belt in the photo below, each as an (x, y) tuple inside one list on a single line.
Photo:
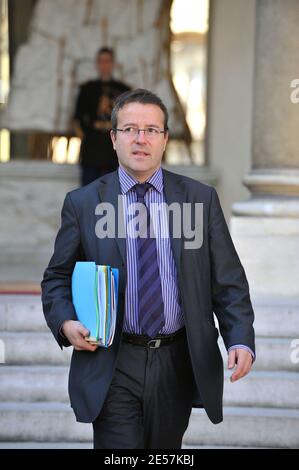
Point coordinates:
[(146, 341)]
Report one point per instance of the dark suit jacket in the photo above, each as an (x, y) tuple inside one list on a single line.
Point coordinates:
[(211, 279)]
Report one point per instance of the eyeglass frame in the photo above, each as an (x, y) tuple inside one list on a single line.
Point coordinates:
[(137, 131)]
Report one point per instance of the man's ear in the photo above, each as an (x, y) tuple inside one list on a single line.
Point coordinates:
[(113, 138), (166, 135)]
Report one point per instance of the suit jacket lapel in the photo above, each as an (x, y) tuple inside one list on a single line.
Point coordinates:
[(174, 192), (109, 190)]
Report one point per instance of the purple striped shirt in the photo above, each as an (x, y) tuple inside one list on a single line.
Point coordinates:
[(173, 312), (174, 319)]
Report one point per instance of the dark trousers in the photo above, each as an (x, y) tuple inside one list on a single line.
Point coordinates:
[(149, 401)]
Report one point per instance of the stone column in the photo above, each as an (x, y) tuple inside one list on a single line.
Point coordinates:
[(20, 14), (266, 228)]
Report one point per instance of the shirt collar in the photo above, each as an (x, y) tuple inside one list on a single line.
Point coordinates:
[(127, 182)]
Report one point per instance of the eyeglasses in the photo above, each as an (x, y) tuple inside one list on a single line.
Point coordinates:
[(149, 132)]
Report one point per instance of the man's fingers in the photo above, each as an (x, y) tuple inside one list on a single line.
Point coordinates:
[(231, 358), (238, 373), (84, 331), (82, 345), (244, 364), (77, 334)]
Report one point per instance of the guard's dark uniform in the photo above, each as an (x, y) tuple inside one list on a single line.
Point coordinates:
[(93, 111)]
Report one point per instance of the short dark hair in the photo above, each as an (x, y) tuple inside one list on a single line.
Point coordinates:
[(139, 95), (106, 50)]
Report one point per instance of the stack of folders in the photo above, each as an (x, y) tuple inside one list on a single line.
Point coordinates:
[(95, 293)]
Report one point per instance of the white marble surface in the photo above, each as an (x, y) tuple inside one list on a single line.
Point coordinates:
[(31, 197), (268, 249), (63, 38)]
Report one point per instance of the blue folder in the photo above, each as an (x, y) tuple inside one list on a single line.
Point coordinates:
[(95, 295)]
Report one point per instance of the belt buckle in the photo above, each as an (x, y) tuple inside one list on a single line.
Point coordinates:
[(156, 345)]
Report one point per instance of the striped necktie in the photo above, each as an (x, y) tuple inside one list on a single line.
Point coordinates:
[(150, 300)]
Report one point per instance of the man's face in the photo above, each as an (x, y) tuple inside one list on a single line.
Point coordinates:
[(104, 64), (140, 155)]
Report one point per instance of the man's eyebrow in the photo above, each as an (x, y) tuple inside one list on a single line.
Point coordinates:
[(134, 124), (130, 124)]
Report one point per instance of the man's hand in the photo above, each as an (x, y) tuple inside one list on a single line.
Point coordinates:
[(243, 359), (76, 334)]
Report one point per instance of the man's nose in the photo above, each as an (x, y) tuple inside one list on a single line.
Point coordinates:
[(140, 136)]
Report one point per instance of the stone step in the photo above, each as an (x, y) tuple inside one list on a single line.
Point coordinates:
[(41, 422), (263, 389), (24, 313), (33, 348), (46, 445), (34, 383), (21, 313), (50, 384), (41, 348), (250, 427), (88, 445), (272, 354), (276, 317)]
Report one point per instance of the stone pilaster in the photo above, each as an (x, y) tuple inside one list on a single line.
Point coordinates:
[(266, 228)]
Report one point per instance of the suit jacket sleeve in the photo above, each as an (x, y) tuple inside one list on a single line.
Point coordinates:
[(230, 290), (56, 284)]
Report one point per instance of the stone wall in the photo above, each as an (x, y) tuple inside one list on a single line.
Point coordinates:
[(64, 36)]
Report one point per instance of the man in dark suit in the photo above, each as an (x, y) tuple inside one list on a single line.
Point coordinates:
[(164, 360), (92, 118)]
